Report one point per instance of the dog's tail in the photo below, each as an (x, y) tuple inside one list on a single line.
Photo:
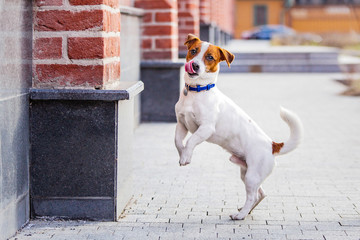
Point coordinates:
[(296, 133)]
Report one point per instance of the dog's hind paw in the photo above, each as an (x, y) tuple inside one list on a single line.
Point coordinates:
[(183, 164), (237, 216), (185, 160)]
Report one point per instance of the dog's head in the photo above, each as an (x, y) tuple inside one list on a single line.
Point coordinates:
[(203, 58)]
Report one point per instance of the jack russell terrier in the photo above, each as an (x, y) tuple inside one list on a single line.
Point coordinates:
[(211, 116)]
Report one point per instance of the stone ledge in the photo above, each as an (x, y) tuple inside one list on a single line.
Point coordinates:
[(91, 208), (126, 91), (132, 11)]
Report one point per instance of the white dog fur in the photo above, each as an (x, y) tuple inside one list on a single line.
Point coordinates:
[(211, 116)]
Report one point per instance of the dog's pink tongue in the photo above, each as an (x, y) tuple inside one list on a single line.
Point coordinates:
[(189, 68)]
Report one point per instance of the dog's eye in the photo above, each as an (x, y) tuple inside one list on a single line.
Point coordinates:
[(209, 57), (193, 51)]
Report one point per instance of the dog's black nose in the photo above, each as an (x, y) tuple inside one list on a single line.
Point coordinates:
[(195, 66)]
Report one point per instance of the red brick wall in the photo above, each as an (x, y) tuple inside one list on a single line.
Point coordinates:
[(159, 29), (76, 43), (221, 14), (226, 15), (205, 11), (189, 20), (218, 12), (128, 3)]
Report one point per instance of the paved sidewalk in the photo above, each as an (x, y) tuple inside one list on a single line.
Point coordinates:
[(313, 193)]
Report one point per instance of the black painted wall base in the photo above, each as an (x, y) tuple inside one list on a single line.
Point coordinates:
[(207, 33), (81, 143), (163, 82), (213, 34)]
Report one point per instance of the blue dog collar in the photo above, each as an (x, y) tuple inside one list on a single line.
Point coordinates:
[(199, 88)]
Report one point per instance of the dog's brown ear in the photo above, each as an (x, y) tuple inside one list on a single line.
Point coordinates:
[(191, 39), (227, 56)]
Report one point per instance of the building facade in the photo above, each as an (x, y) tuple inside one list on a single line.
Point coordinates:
[(317, 16), (252, 13), (330, 17)]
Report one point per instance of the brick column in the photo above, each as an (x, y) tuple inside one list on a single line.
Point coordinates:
[(216, 20), (214, 11), (225, 15), (160, 65), (159, 30), (189, 21), (76, 44), (77, 52), (206, 21), (205, 11)]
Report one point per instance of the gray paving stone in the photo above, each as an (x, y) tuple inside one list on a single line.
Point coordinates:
[(170, 236), (306, 235), (135, 235), (313, 192), (80, 237), (283, 223), (340, 238), (268, 236)]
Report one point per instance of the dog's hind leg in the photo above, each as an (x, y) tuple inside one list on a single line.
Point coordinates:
[(243, 167), (261, 196), (253, 178), (252, 184)]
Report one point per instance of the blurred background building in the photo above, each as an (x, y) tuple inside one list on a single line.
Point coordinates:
[(316, 16)]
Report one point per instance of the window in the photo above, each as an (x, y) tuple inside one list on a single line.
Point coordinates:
[(260, 15)]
